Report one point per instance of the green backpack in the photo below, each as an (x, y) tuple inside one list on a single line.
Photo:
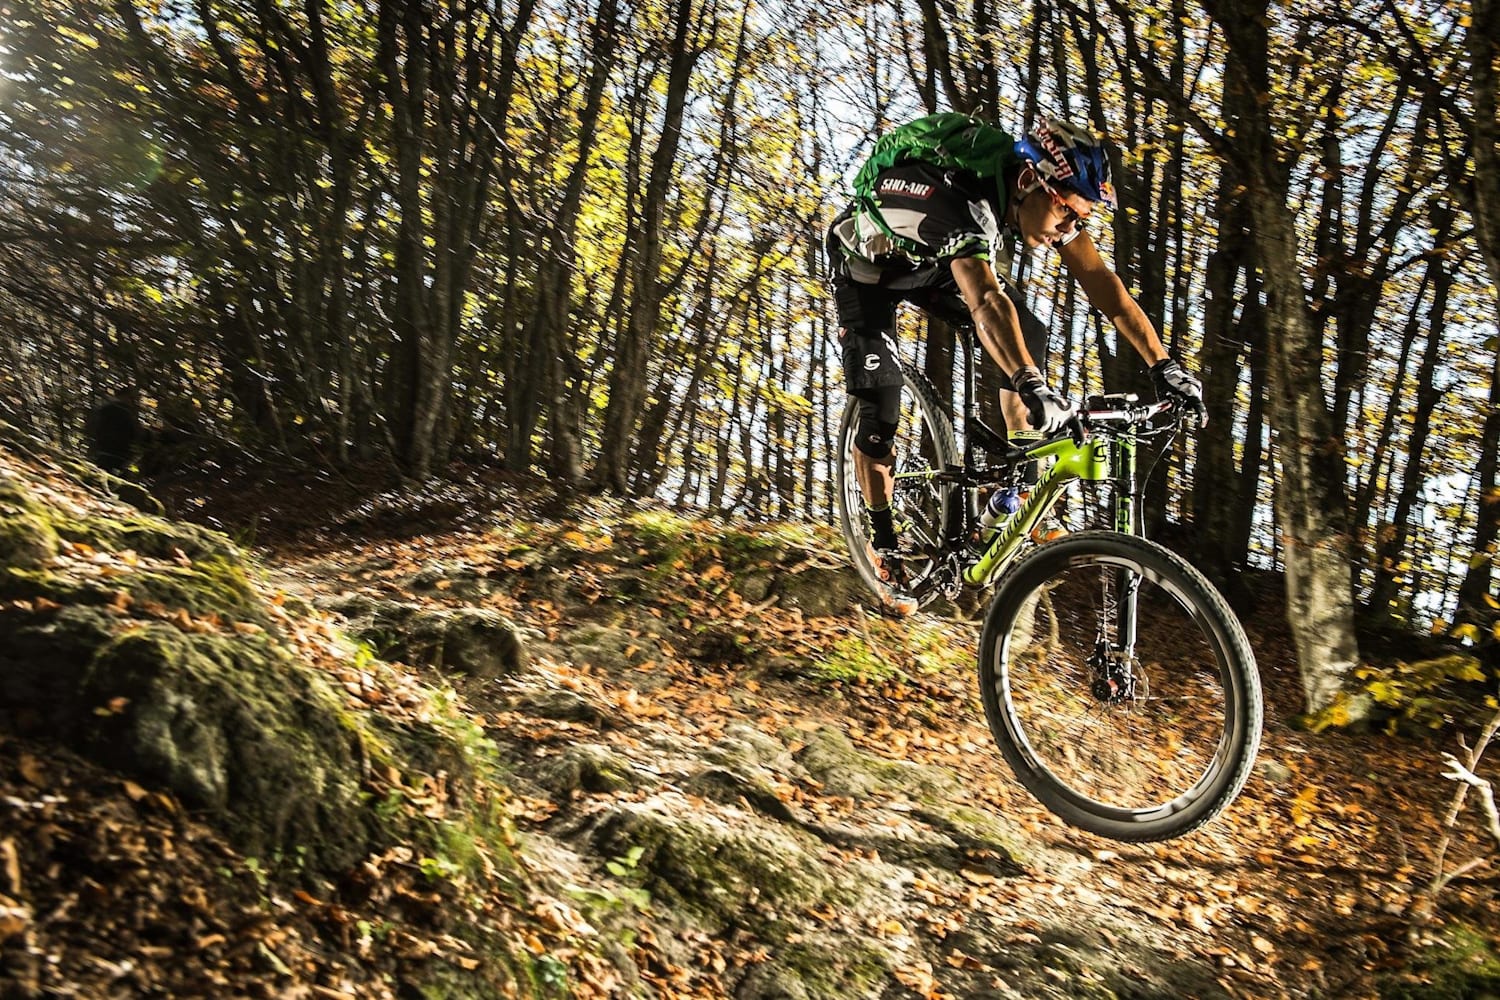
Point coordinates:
[(945, 140)]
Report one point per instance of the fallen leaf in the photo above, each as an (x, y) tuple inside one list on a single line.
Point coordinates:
[(31, 770), (918, 977), (10, 865), (14, 919)]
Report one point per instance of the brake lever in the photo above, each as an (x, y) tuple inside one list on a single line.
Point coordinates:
[(1079, 429)]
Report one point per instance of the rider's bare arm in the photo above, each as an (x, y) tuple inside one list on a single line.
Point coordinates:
[(995, 318), (1107, 293)]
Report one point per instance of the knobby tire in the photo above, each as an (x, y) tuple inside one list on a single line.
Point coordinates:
[(1189, 722)]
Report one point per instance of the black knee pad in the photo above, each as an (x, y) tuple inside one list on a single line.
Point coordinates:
[(879, 414)]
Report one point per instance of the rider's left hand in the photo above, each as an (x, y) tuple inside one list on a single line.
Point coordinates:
[(1175, 383)]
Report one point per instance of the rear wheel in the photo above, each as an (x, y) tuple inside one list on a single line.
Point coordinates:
[(1136, 726), (921, 506)]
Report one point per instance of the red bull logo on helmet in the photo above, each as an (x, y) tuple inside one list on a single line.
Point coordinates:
[(1061, 169)]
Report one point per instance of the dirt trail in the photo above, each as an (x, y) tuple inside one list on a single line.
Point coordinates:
[(726, 777), (1303, 889)]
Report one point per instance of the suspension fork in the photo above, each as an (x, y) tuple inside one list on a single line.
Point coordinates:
[(1127, 520)]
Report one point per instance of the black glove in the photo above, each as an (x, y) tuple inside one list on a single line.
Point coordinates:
[(1047, 411), (1175, 383)]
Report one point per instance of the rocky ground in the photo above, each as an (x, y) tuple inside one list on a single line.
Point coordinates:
[(582, 748)]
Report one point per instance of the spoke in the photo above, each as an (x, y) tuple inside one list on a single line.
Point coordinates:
[(1089, 713)]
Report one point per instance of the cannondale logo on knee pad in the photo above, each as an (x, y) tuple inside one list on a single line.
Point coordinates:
[(872, 362)]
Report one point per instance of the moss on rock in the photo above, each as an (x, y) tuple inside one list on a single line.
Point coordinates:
[(233, 727), (1465, 966), (27, 540), (843, 769), (153, 537), (233, 722), (715, 871), (609, 648), (475, 641), (29, 584), (821, 967), (746, 748), (42, 660), (819, 591), (587, 767), (213, 586)]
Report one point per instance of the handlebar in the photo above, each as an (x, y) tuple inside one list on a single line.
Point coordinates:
[(1128, 415), (1113, 418), (1108, 418)]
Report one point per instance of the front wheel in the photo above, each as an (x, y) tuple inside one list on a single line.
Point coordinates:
[(1120, 687)]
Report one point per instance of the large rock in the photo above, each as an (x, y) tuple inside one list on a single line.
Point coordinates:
[(844, 769), (152, 652), (235, 728), (718, 871), (475, 641), (27, 540), (820, 591), (822, 967), (232, 725)]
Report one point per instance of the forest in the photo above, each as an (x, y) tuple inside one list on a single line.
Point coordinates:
[(582, 239), (420, 571)]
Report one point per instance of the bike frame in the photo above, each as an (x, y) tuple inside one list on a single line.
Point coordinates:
[(1104, 452), (1101, 458)]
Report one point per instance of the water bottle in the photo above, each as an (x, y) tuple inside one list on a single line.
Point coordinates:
[(1004, 502)]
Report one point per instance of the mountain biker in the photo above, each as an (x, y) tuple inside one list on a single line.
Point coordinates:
[(928, 215)]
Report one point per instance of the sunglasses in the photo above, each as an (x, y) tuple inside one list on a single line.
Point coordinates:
[(1070, 214)]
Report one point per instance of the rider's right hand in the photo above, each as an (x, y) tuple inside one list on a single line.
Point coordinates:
[(1176, 384), (1047, 411)]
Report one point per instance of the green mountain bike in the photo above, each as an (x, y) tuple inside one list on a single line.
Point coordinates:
[(1116, 681)]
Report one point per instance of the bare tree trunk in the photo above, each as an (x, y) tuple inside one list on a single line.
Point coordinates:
[(1246, 497), (444, 91), (1390, 547), (548, 357), (628, 378), (1482, 198), (1310, 505), (1216, 481)]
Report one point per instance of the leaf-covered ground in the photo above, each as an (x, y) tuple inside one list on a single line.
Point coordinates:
[(728, 779)]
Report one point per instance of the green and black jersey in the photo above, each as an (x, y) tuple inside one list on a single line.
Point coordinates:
[(920, 216), (933, 191)]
